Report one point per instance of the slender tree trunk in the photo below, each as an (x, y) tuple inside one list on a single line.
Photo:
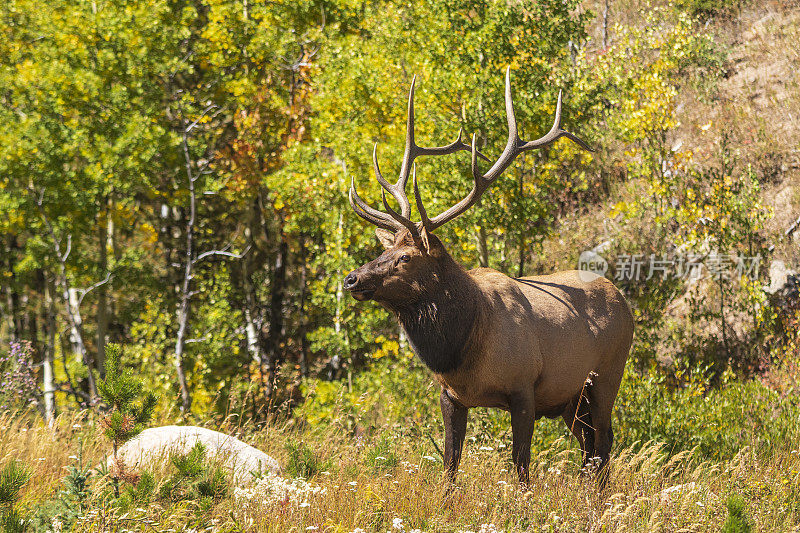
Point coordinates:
[(185, 297), (69, 297), (10, 313), (337, 317), (276, 319), (303, 319), (75, 319), (12, 298), (605, 25), (102, 295), (48, 379), (251, 330), (184, 309), (251, 316)]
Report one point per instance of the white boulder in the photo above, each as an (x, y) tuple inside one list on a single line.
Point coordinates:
[(155, 444)]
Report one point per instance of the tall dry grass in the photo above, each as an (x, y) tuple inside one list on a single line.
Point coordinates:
[(648, 490)]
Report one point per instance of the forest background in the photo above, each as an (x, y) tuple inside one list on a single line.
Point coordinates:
[(174, 175)]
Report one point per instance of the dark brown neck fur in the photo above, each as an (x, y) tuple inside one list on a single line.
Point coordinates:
[(440, 323)]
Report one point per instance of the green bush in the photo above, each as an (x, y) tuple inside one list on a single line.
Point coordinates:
[(717, 422)]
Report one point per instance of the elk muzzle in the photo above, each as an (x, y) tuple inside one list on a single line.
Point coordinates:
[(353, 282)]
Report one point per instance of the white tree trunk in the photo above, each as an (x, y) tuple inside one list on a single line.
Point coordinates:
[(253, 347), (48, 380)]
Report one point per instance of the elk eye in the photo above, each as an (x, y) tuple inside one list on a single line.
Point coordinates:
[(405, 258)]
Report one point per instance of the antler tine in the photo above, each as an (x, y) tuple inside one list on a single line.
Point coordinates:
[(371, 215), (423, 213), (412, 150), (397, 190), (554, 134), (514, 147), (409, 154), (404, 221)]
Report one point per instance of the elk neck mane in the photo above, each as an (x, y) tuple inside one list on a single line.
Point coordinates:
[(440, 323)]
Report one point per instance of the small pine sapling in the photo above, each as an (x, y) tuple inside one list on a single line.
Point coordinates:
[(737, 521), (195, 479), (128, 409), (76, 485), (13, 477)]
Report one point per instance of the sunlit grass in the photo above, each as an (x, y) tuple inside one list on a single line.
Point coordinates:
[(649, 490)]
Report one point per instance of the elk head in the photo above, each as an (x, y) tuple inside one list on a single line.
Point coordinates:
[(415, 262)]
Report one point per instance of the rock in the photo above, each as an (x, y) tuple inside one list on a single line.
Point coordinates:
[(779, 275), (158, 443)]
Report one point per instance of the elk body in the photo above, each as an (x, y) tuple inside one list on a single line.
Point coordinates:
[(537, 346)]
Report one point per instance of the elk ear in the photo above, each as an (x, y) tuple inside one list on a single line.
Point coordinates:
[(386, 237)]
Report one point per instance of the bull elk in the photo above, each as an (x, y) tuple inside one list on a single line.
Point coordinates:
[(536, 346)]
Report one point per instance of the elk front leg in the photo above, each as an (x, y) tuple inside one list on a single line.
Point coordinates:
[(523, 415), (455, 428)]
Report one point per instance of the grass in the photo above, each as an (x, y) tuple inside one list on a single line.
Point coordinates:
[(649, 490)]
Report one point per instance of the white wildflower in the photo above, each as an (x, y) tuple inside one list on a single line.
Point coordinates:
[(429, 458), (273, 488), (397, 523), (486, 448)]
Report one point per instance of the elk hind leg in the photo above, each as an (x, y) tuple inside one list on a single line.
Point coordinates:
[(601, 401), (578, 418)]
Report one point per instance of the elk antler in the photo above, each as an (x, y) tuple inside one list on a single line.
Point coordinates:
[(514, 147), (395, 221)]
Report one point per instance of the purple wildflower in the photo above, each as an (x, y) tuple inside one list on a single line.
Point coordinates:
[(18, 385)]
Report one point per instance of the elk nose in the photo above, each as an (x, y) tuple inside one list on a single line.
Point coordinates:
[(350, 281)]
